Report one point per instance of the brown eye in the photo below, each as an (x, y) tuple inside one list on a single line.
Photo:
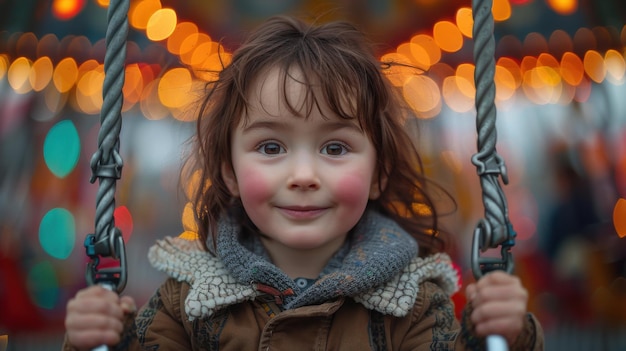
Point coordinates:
[(335, 149), (270, 148)]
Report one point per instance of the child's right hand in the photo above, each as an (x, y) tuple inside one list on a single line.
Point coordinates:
[(95, 317)]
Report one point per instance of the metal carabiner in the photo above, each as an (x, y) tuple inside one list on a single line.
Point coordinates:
[(113, 276), (482, 265)]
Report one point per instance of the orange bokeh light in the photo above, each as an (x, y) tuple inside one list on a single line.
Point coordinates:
[(67, 9)]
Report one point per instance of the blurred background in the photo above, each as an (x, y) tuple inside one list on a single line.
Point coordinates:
[(560, 97)]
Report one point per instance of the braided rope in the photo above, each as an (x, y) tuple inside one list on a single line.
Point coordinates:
[(110, 116), (106, 162), (490, 165)]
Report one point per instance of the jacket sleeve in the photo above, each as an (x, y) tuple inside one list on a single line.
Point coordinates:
[(432, 325), (159, 323)]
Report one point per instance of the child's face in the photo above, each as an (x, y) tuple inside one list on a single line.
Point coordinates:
[(304, 182)]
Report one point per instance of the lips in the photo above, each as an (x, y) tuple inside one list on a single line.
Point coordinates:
[(302, 212)]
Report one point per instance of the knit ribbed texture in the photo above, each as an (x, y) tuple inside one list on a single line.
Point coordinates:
[(377, 267), (379, 250)]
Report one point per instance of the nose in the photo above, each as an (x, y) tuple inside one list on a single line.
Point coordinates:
[(304, 173)]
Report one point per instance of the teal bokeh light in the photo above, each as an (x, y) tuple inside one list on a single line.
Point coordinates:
[(57, 233), (43, 285), (62, 148)]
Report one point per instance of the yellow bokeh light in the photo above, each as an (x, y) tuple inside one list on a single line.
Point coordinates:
[(454, 94), (202, 53), (505, 83), (41, 73), (103, 3), (399, 68), (425, 50), (188, 219), (465, 21), (513, 68), (133, 86), (563, 7), (175, 88), (18, 74), (140, 12), (594, 66), (615, 66), (572, 69), (65, 74), (182, 31), (191, 44), (548, 60), (150, 104), (422, 94), (161, 24), (448, 36), (501, 10), (4, 65), (210, 68), (89, 91), (189, 236), (466, 84)]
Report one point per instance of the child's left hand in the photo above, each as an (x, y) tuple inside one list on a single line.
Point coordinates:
[(499, 305)]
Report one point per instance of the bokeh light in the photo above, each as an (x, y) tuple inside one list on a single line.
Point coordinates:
[(41, 73), (188, 219), (161, 24), (67, 9), (61, 148), (423, 96), (619, 217), (141, 11), (563, 7), (124, 222), (464, 21), (594, 66), (448, 36), (43, 285), (57, 233), (18, 75), (501, 10), (65, 74), (175, 88)]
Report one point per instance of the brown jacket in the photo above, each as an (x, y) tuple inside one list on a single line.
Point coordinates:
[(337, 325), (411, 312)]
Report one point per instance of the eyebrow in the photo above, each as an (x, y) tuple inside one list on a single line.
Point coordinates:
[(327, 126)]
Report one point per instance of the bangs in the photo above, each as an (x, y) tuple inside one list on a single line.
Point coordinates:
[(337, 77)]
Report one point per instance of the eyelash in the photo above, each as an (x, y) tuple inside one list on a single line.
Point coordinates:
[(259, 148), (345, 148)]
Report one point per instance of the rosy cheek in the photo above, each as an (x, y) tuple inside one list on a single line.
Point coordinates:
[(352, 189), (253, 186)]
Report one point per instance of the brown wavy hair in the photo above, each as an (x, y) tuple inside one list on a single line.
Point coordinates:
[(339, 60)]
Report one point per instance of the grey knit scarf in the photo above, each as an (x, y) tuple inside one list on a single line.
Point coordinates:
[(377, 250)]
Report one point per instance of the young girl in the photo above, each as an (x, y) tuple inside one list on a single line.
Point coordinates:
[(316, 230)]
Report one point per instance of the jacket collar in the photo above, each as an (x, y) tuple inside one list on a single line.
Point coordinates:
[(214, 288)]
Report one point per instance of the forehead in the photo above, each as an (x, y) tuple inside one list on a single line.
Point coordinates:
[(279, 91), (275, 90)]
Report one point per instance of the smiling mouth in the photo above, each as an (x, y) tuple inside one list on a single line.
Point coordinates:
[(302, 212)]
